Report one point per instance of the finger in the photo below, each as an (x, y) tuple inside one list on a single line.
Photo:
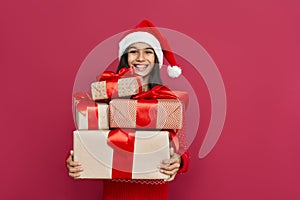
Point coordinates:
[(167, 161), (70, 160), (171, 178), (71, 156), (175, 156), (170, 167), (71, 163), (75, 169), (74, 175), (171, 161), (169, 172), (171, 152)]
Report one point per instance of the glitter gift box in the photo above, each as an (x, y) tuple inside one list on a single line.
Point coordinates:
[(146, 113)]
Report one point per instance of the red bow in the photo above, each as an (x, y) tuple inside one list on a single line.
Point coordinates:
[(87, 106), (112, 78), (157, 92), (124, 140), (84, 100), (124, 72)]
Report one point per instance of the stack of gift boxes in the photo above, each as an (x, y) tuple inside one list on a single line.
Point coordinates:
[(122, 131)]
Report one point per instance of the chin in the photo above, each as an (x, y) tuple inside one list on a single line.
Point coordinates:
[(142, 74)]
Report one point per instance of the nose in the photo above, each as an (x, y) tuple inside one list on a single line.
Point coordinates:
[(140, 56)]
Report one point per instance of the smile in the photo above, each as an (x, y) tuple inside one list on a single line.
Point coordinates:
[(140, 67)]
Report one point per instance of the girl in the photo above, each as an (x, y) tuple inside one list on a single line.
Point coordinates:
[(144, 49)]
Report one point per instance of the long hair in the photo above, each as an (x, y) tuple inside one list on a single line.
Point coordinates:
[(154, 76)]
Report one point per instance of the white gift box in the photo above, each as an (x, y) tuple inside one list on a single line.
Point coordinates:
[(101, 114), (96, 155)]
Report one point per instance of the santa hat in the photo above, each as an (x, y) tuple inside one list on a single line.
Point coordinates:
[(146, 32)]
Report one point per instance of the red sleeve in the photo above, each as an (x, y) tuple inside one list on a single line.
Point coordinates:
[(184, 162)]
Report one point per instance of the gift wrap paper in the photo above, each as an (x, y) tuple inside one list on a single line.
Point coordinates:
[(96, 156), (146, 114), (94, 117), (106, 90)]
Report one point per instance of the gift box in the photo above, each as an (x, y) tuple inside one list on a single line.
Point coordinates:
[(90, 115), (146, 113), (113, 88), (106, 154), (112, 85)]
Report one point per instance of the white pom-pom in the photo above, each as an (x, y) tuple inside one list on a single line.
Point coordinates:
[(174, 71)]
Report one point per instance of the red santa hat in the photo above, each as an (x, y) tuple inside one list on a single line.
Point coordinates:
[(146, 32)]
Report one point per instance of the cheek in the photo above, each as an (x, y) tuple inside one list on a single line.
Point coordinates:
[(151, 58), (129, 59)]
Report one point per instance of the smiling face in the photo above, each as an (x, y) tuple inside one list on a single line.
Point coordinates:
[(142, 57)]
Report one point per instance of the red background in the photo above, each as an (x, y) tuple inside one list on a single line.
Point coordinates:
[(255, 45)]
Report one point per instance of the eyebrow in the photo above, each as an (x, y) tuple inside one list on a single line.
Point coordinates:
[(147, 48)]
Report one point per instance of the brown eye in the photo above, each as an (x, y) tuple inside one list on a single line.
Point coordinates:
[(132, 51), (149, 52)]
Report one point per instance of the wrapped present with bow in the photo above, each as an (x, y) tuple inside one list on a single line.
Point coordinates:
[(90, 115), (122, 153), (113, 85), (159, 108)]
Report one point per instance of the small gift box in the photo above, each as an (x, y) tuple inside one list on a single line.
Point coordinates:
[(114, 154), (146, 113), (90, 115), (112, 85)]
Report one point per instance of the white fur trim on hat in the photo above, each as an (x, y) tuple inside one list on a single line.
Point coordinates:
[(145, 37), (174, 71)]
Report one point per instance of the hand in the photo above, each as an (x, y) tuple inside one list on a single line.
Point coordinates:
[(73, 167), (172, 165)]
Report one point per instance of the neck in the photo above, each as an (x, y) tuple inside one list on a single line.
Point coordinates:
[(145, 81)]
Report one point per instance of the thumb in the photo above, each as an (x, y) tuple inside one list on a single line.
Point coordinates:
[(71, 155), (171, 151)]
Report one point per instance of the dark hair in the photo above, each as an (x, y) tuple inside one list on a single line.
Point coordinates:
[(154, 77)]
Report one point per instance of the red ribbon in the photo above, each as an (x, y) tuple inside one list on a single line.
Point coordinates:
[(157, 92), (146, 115), (123, 144), (174, 139), (162, 92), (147, 105), (86, 105), (112, 78)]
